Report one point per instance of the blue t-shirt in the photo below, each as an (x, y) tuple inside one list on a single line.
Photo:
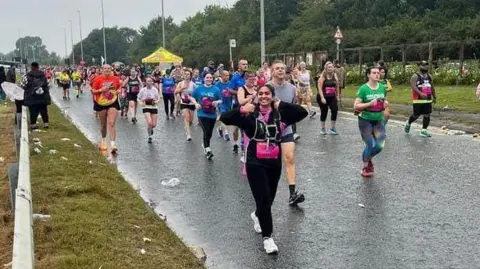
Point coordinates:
[(197, 81), (205, 97), (168, 85), (236, 82), (226, 96)]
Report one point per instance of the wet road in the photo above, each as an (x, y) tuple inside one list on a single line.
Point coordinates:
[(420, 210)]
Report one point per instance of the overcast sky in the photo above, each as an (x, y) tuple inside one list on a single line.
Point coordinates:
[(48, 18)]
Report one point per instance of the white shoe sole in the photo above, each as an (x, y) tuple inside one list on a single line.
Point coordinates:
[(256, 228)]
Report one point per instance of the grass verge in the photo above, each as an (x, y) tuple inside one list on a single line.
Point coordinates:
[(97, 220), (7, 152), (458, 98)]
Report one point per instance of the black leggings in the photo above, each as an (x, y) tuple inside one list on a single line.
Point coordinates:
[(331, 103), (169, 98), (263, 183), (207, 125), (38, 109)]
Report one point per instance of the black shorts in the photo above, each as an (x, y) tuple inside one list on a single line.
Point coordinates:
[(150, 110), (66, 86), (287, 138), (132, 96), (98, 108), (422, 109), (184, 106)]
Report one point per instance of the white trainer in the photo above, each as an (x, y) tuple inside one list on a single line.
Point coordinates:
[(256, 223), (270, 246)]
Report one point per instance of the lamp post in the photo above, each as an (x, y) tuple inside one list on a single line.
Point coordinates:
[(262, 30), (81, 38), (104, 41), (163, 24), (71, 36)]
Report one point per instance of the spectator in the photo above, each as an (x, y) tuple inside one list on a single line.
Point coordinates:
[(11, 76), (3, 78), (37, 95)]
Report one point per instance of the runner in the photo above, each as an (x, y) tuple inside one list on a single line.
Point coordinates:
[(304, 78), (168, 89), (123, 97), (424, 95), (106, 89), (261, 78), (185, 90), (370, 101), (196, 77), (77, 82), (223, 85), (327, 98), (133, 84), (206, 98), (267, 71), (65, 83), (342, 78), (386, 82), (247, 95), (157, 77), (291, 78), (263, 124), (237, 81), (148, 98), (177, 74), (286, 92)]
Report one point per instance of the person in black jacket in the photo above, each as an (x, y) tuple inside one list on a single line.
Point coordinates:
[(263, 124), (3, 78), (37, 95), (11, 76)]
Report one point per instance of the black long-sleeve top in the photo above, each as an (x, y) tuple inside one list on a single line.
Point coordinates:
[(289, 114)]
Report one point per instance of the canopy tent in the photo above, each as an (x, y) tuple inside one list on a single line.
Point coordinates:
[(162, 55)]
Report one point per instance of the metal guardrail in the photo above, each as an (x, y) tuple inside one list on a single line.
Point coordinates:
[(23, 247)]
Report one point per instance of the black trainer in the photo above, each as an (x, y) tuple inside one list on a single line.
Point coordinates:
[(296, 198), (235, 148), (209, 155)]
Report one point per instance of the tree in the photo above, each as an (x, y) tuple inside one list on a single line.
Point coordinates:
[(117, 40)]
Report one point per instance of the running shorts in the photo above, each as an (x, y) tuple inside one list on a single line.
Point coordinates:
[(422, 109), (98, 108), (184, 106), (132, 96), (150, 110)]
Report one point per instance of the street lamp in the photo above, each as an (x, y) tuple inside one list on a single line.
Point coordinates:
[(81, 38), (71, 36), (104, 42), (65, 34), (262, 30), (163, 24)]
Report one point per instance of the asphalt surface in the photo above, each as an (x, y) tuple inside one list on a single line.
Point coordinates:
[(420, 210)]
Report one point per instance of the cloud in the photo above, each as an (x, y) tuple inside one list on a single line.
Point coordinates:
[(48, 18)]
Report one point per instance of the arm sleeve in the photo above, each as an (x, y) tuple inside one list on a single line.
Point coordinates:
[(234, 117), (291, 113)]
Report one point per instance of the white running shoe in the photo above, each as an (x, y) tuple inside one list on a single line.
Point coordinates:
[(242, 159), (270, 246), (256, 223)]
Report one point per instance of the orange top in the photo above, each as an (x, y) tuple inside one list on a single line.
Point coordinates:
[(109, 97)]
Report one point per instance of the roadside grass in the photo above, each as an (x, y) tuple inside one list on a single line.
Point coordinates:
[(7, 151), (458, 98), (97, 219)]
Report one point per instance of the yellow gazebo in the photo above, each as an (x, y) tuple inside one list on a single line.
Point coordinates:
[(161, 55)]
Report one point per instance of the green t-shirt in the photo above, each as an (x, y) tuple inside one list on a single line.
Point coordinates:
[(367, 94)]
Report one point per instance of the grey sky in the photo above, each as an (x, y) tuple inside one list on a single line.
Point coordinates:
[(47, 18)]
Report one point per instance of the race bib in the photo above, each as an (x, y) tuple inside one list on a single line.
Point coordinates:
[(226, 93), (135, 89), (378, 107), (330, 90), (207, 105)]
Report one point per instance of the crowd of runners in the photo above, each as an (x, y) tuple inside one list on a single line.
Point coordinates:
[(255, 110)]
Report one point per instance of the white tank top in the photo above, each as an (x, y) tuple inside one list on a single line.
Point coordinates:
[(305, 78), (187, 93)]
